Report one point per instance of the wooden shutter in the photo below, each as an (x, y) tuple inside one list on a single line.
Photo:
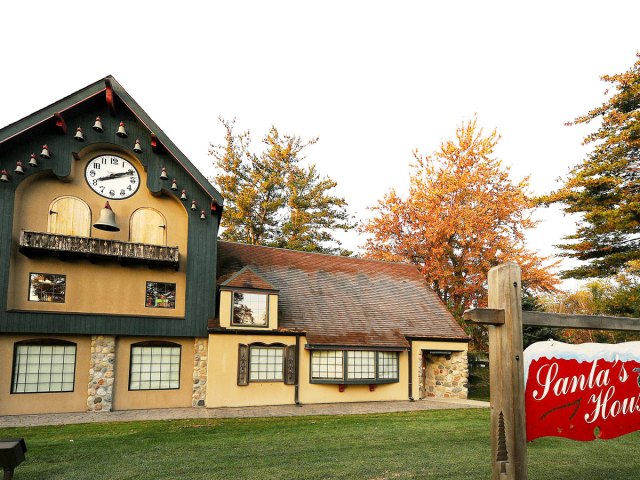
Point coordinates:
[(243, 365), (290, 365), (147, 226), (69, 216)]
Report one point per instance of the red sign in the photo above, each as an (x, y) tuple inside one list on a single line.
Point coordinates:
[(582, 392)]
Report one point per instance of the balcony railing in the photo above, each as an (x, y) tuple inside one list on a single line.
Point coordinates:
[(40, 243)]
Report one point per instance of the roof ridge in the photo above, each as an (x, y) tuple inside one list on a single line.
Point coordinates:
[(302, 252)]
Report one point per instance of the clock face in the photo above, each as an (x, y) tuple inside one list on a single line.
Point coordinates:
[(112, 177)]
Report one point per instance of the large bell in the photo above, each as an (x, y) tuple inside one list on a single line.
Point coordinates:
[(107, 220)]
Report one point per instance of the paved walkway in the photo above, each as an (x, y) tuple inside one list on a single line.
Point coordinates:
[(240, 412)]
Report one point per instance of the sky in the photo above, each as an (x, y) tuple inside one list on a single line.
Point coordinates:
[(373, 80)]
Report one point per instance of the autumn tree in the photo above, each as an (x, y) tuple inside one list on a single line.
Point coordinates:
[(462, 216), (272, 198), (605, 188)]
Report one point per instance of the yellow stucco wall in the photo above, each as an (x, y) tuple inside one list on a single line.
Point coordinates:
[(124, 399), (419, 346), (222, 384), (107, 287), (28, 403), (225, 312)]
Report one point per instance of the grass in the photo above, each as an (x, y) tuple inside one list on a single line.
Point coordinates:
[(451, 444)]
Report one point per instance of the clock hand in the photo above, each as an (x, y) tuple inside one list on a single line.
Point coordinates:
[(115, 175)]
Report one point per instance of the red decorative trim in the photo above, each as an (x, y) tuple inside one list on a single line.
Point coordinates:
[(156, 146), (341, 387), (109, 95), (372, 387), (214, 206), (61, 125)]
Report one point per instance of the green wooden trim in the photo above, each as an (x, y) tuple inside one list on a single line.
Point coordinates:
[(26, 136)]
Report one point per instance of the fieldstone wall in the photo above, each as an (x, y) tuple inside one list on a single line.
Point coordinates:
[(199, 396), (101, 369), (444, 376)]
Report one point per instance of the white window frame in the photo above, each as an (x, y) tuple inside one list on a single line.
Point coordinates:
[(260, 367), (43, 367), (155, 366)]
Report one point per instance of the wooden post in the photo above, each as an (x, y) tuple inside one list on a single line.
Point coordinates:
[(508, 427)]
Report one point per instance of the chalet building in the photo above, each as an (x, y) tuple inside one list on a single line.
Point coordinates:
[(115, 293)]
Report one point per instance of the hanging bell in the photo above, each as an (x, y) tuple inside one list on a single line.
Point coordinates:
[(107, 220), (19, 170), (45, 152), (174, 185), (194, 205), (33, 160), (202, 215), (79, 136), (122, 133), (183, 195), (4, 176), (137, 148), (98, 125), (163, 174)]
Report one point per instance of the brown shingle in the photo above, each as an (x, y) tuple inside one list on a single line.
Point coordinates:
[(342, 300), (247, 278)]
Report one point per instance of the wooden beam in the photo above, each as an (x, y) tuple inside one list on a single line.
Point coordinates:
[(595, 322), (61, 125), (508, 427), (485, 316)]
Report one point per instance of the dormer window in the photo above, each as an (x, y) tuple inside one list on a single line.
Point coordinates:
[(250, 309)]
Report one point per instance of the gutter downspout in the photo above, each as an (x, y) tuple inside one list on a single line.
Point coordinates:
[(411, 371), (296, 397)]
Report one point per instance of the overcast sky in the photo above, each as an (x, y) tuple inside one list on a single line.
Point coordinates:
[(374, 80)]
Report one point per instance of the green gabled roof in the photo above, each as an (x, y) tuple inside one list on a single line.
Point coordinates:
[(47, 114)]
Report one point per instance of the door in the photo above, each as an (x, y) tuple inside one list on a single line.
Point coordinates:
[(69, 216), (147, 225)]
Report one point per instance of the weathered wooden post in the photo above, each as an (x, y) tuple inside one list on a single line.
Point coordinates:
[(504, 321), (508, 442)]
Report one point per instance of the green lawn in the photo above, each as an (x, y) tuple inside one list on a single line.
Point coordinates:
[(445, 444)]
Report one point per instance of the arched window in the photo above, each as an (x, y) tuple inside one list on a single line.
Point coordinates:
[(154, 366), (45, 365), (148, 225), (69, 216)]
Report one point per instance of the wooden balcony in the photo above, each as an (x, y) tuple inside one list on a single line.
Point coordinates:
[(69, 246)]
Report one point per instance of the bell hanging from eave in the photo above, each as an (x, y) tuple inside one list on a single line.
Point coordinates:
[(19, 170), (194, 205), (202, 215), (107, 220), (4, 176), (183, 195), (163, 174), (98, 125), (137, 148), (79, 135), (122, 133), (174, 185), (33, 160), (45, 152)]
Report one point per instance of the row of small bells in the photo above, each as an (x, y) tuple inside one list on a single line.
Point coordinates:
[(107, 219), (79, 136)]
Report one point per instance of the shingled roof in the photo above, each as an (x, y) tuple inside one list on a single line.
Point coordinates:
[(344, 301)]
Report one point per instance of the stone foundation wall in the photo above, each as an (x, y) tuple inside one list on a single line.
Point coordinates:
[(100, 388), (444, 376), (199, 396)]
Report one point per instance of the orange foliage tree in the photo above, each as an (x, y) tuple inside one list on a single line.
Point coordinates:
[(462, 216)]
